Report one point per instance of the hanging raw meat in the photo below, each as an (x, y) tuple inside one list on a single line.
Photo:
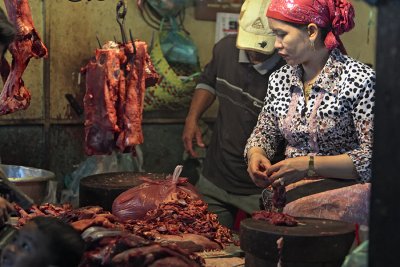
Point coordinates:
[(103, 79), (140, 74), (115, 84), (27, 44)]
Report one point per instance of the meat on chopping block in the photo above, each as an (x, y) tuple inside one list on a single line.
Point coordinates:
[(275, 218), (27, 44)]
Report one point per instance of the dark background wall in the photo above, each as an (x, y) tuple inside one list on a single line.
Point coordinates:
[(25, 145)]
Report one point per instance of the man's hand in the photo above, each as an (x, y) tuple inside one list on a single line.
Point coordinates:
[(192, 134), (258, 166), (5, 209)]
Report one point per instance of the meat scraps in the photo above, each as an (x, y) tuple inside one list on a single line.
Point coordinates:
[(27, 44), (181, 216), (116, 79), (128, 249), (279, 197), (275, 218)]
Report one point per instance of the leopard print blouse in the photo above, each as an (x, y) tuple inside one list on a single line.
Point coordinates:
[(337, 119)]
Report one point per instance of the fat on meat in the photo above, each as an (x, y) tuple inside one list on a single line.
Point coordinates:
[(27, 44)]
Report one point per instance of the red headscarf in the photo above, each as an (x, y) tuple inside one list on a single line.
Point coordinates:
[(334, 15)]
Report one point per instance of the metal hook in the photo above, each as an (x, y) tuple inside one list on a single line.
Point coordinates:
[(98, 41), (133, 42), (151, 42), (121, 18)]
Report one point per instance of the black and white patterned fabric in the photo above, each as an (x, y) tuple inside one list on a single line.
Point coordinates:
[(337, 118)]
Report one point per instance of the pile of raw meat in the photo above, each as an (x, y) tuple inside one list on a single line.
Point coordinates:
[(27, 44), (167, 236), (182, 216), (116, 79), (115, 248), (108, 243)]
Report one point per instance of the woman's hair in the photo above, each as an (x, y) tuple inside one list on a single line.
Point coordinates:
[(65, 244), (323, 31)]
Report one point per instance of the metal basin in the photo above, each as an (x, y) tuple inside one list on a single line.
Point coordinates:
[(32, 181)]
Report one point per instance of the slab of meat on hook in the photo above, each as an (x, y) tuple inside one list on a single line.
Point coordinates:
[(15, 96), (103, 81), (115, 85), (140, 74)]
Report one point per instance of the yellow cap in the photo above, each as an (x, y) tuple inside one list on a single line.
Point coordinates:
[(254, 32)]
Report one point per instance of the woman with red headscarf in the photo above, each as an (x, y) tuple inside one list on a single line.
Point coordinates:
[(321, 103)]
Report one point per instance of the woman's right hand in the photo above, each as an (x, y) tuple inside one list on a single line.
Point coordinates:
[(192, 134), (257, 167)]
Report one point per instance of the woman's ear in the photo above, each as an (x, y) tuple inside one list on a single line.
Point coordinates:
[(313, 31)]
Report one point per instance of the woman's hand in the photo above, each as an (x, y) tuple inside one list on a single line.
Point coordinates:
[(258, 165), (288, 171), (5, 208)]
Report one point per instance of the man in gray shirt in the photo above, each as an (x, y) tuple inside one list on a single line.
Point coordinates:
[(238, 75)]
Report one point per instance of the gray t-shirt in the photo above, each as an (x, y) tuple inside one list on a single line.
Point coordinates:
[(240, 87)]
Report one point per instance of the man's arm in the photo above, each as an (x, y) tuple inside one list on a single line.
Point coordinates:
[(202, 100)]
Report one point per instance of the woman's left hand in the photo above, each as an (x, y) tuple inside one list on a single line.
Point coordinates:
[(288, 171)]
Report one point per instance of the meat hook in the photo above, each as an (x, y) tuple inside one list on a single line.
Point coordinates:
[(151, 42), (133, 42), (98, 41), (121, 18)]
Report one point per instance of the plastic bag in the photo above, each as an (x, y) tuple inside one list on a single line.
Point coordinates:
[(359, 256), (134, 203), (176, 45), (168, 7)]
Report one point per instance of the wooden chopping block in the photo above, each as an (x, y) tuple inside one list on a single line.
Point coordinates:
[(102, 189), (313, 243)]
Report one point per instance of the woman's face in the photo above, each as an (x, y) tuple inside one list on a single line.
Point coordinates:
[(293, 44), (29, 248)]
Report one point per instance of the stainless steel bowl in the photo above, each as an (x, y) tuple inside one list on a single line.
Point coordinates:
[(32, 181)]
